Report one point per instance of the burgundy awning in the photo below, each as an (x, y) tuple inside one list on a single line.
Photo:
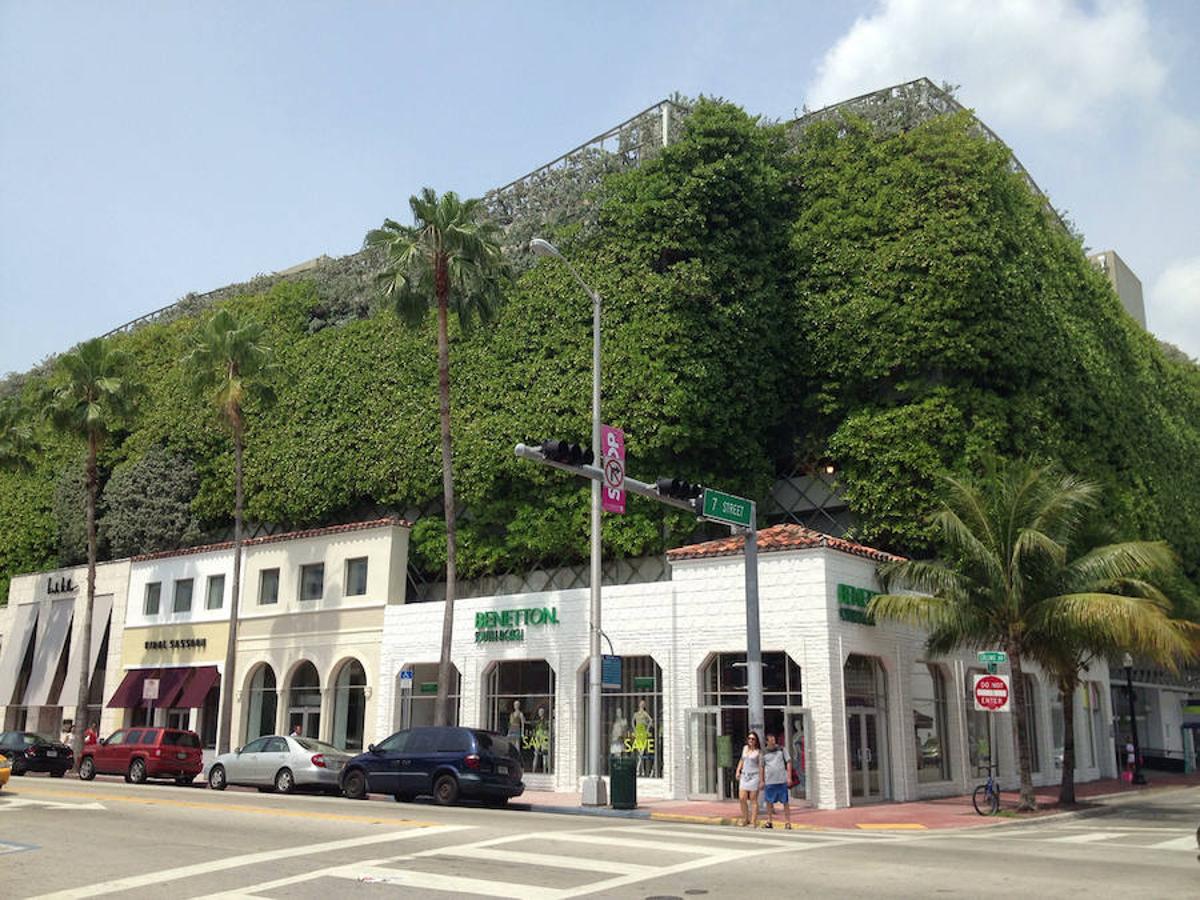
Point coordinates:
[(170, 681), (198, 686), (129, 691)]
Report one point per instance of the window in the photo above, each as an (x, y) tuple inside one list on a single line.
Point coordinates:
[(631, 718), (929, 723), (1031, 691), (268, 587), (422, 740), (215, 597), (153, 592), (183, 595), (454, 740), (356, 577), (277, 745), (312, 581), (181, 739), (979, 724), (257, 746), (134, 737), (115, 739), (395, 743), (260, 705), (415, 703), (150, 736), (350, 706), (519, 701)]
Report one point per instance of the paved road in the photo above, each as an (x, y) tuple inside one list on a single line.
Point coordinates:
[(70, 839)]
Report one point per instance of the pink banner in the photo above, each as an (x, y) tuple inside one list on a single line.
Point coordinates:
[(612, 463)]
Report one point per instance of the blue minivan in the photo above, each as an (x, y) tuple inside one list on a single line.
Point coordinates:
[(446, 763)]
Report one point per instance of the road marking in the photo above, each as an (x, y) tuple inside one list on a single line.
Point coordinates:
[(9, 847), (1088, 837), (456, 884), (572, 837), (250, 859), (17, 802), (577, 863), (1183, 843), (892, 826)]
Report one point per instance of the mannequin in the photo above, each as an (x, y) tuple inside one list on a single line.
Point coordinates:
[(541, 741), (616, 736), (516, 725), (798, 761), (643, 737)]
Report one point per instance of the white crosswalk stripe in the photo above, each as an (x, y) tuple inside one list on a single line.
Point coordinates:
[(1084, 835)]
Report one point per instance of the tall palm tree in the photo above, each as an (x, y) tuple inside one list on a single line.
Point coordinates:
[(1006, 581), (229, 365), (449, 259), (93, 394)]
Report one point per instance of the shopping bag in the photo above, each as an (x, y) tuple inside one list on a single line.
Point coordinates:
[(1127, 776), (793, 779)]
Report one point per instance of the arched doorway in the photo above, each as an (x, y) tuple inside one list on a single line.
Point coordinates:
[(261, 701), (866, 729), (304, 701), (349, 706)]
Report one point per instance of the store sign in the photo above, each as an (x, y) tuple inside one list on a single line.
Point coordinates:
[(61, 585), (178, 644), (510, 624), (852, 604)]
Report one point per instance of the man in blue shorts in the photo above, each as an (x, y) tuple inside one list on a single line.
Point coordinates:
[(777, 772)]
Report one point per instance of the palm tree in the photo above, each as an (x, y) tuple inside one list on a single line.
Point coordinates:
[(93, 393), (449, 259), (1006, 580), (16, 435), (229, 365)]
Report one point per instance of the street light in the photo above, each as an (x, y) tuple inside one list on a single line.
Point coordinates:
[(593, 791), (1138, 777)]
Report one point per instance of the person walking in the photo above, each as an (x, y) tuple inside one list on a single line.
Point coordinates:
[(749, 776), (91, 735), (777, 774)]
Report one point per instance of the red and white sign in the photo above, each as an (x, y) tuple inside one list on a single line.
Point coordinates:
[(150, 689), (991, 693), (612, 462)]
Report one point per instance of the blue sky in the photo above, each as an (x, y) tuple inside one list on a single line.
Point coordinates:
[(152, 149)]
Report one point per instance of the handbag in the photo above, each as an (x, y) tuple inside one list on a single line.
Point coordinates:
[(793, 778)]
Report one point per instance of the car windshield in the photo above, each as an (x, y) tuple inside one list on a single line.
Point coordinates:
[(319, 747), (31, 739), (180, 739)]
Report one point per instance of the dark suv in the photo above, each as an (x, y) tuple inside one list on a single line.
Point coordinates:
[(444, 763)]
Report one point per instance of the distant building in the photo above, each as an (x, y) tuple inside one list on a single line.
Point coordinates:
[(1124, 282)]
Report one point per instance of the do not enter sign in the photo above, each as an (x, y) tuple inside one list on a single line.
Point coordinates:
[(991, 693)]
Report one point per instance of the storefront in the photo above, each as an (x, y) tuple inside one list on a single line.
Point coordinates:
[(866, 715)]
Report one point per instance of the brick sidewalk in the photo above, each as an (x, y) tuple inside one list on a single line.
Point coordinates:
[(949, 812)]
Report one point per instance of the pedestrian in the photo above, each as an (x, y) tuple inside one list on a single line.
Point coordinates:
[(777, 774), (91, 735), (1130, 758), (749, 778), (67, 730), (296, 730)]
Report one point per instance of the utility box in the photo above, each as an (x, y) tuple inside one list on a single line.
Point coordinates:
[(622, 787)]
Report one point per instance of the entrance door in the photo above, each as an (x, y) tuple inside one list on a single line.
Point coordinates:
[(705, 778), (309, 720), (796, 731), (865, 745)]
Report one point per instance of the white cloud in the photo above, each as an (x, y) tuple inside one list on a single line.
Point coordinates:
[(1057, 64), (1173, 311)]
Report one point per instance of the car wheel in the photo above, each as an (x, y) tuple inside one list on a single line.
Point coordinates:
[(445, 790), (18, 768), (216, 778), (87, 769), (354, 785), (285, 782), (137, 771)]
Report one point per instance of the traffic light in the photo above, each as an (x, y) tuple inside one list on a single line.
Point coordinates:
[(566, 453), (678, 488)]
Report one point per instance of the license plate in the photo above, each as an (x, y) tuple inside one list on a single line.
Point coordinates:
[(181, 756), (52, 753), (501, 770)]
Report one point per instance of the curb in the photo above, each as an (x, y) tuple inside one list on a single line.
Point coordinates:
[(602, 811)]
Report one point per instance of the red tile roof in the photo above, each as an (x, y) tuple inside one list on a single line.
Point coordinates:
[(778, 538), (277, 538)]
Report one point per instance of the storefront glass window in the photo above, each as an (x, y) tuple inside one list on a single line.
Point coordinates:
[(260, 704), (349, 706), (631, 718), (978, 734), (1031, 729), (929, 723), (304, 701), (1090, 691), (519, 701), (416, 695)]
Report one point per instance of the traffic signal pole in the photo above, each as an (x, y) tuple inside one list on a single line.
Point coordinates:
[(754, 682)]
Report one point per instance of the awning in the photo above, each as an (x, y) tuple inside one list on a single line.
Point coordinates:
[(13, 652), (196, 690), (48, 649), (170, 682), (101, 611), (129, 692)]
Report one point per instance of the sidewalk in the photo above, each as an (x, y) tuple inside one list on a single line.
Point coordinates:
[(949, 812)]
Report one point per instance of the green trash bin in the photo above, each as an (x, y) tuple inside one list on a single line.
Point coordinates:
[(622, 782)]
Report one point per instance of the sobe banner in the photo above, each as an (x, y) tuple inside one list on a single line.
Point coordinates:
[(612, 462)]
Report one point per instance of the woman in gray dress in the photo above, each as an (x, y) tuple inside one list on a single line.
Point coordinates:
[(750, 778)]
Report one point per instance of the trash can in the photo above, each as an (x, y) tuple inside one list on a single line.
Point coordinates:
[(622, 782)]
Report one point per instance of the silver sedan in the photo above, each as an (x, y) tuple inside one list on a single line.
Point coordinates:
[(282, 763)]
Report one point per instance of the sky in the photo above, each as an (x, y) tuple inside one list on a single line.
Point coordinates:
[(152, 149)]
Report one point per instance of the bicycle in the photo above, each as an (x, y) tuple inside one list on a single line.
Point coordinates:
[(987, 796)]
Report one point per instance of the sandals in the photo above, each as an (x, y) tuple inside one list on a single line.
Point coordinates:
[(768, 825), (788, 826)]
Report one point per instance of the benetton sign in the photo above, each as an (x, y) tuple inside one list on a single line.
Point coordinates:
[(852, 604), (510, 624)]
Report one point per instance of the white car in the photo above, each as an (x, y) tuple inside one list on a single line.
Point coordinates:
[(282, 763)]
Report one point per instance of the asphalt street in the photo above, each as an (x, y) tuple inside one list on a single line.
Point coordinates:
[(73, 839)]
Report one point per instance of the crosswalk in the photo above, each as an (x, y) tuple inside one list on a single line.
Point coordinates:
[(553, 865), (1082, 834)]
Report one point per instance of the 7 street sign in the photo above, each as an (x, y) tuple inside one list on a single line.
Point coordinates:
[(727, 508), (992, 656)]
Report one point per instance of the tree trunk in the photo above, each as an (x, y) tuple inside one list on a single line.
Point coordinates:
[(1066, 792), (85, 644), (225, 729), (1028, 801), (442, 712)]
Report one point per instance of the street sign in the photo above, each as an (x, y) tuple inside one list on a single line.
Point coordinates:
[(150, 689), (992, 656), (612, 493), (991, 693), (610, 673), (727, 508)]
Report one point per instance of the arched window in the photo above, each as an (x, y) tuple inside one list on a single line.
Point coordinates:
[(519, 701), (260, 703), (416, 694), (631, 718), (304, 701), (930, 732), (349, 706)]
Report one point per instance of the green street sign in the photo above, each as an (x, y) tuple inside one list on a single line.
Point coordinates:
[(728, 509), (992, 656)]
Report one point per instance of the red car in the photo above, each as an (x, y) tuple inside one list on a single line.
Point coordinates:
[(141, 753)]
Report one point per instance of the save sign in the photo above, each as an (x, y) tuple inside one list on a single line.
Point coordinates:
[(612, 463)]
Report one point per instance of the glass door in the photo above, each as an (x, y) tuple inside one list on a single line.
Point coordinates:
[(864, 742), (705, 777), (796, 731), (309, 720)]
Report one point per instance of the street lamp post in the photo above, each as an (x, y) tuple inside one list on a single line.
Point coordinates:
[(1138, 777), (593, 791)]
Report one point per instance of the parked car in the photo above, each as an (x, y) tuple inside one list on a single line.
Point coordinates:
[(282, 763), (445, 763), (141, 753), (31, 752), (5, 770)]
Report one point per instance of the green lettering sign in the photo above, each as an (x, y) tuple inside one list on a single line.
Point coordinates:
[(852, 604), (508, 625)]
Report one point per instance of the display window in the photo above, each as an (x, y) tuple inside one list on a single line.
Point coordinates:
[(631, 717), (930, 731), (519, 703)]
